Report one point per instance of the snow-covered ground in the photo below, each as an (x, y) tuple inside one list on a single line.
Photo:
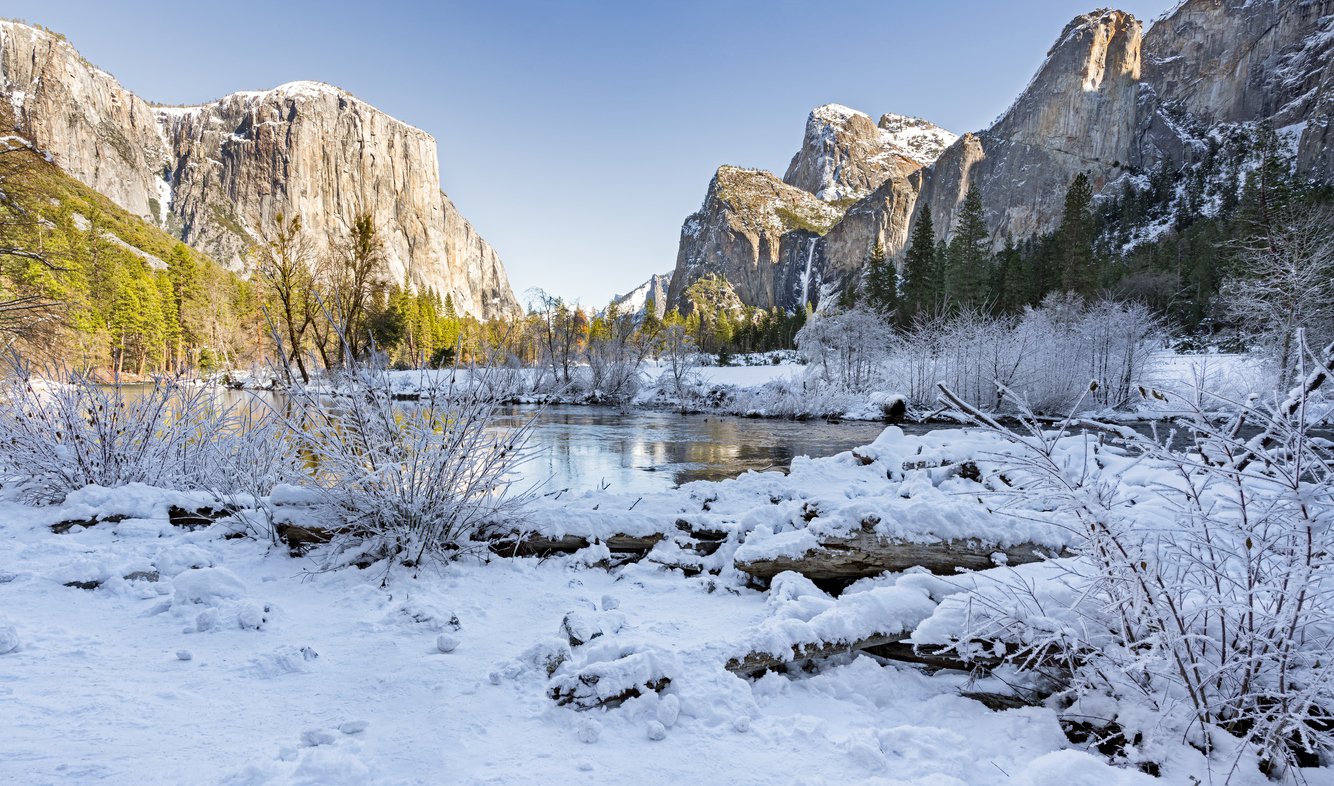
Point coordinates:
[(201, 658)]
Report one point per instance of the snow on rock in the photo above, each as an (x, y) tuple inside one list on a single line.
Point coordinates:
[(588, 730), (581, 627), (171, 561), (314, 737), (883, 611), (208, 585), (283, 660), (446, 643)]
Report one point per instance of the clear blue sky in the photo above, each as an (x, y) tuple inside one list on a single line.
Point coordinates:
[(578, 134)]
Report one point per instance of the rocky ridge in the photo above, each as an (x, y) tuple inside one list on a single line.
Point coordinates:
[(636, 301), (218, 174), (1110, 100)]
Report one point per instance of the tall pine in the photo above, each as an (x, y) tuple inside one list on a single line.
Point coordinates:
[(882, 283), (920, 277), (1076, 235), (969, 271)]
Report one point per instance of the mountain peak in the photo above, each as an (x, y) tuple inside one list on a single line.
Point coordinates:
[(845, 155)]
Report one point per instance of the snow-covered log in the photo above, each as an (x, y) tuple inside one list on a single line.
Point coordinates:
[(537, 545), (864, 554)]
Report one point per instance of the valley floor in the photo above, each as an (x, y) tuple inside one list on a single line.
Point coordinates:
[(199, 658)]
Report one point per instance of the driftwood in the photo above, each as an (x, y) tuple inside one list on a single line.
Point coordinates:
[(929, 656), (864, 554), (300, 539)]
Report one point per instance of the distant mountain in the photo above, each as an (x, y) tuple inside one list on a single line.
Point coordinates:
[(216, 175), (762, 233), (1110, 100), (654, 289)]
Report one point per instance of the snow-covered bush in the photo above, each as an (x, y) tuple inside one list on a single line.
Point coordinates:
[(678, 354), (615, 353), (66, 431), (1203, 587), (1048, 355), (246, 464), (409, 480), (845, 349)]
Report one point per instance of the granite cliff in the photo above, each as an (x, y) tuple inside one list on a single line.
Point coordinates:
[(1111, 100), (218, 174)]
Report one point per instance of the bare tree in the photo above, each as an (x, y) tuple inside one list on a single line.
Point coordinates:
[(615, 352), (1288, 283), (679, 352), (282, 263), (559, 334), (350, 276)]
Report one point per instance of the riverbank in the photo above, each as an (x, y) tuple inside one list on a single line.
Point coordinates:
[(755, 386)]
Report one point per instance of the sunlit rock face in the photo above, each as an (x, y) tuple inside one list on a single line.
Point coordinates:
[(1110, 100), (845, 155), (218, 174), (757, 231)]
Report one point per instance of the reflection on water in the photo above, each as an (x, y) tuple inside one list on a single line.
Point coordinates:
[(584, 448)]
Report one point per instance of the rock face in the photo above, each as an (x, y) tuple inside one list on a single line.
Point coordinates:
[(845, 155), (759, 233), (653, 291), (218, 174), (1078, 114), (1230, 61), (764, 234), (1110, 100)]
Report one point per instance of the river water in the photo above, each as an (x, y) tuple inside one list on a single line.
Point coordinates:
[(583, 448)]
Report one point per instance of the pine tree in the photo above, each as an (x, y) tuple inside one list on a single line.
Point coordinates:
[(1009, 283), (1268, 189), (882, 283), (920, 276), (1076, 236), (968, 257)]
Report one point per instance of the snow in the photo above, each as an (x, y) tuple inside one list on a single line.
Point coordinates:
[(635, 300), (916, 138), (240, 664)]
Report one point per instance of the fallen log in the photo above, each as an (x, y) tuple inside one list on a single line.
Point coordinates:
[(929, 656), (755, 662), (535, 545), (889, 647), (865, 554)]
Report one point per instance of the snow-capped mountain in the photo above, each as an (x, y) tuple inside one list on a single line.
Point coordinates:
[(636, 300), (1111, 100)]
